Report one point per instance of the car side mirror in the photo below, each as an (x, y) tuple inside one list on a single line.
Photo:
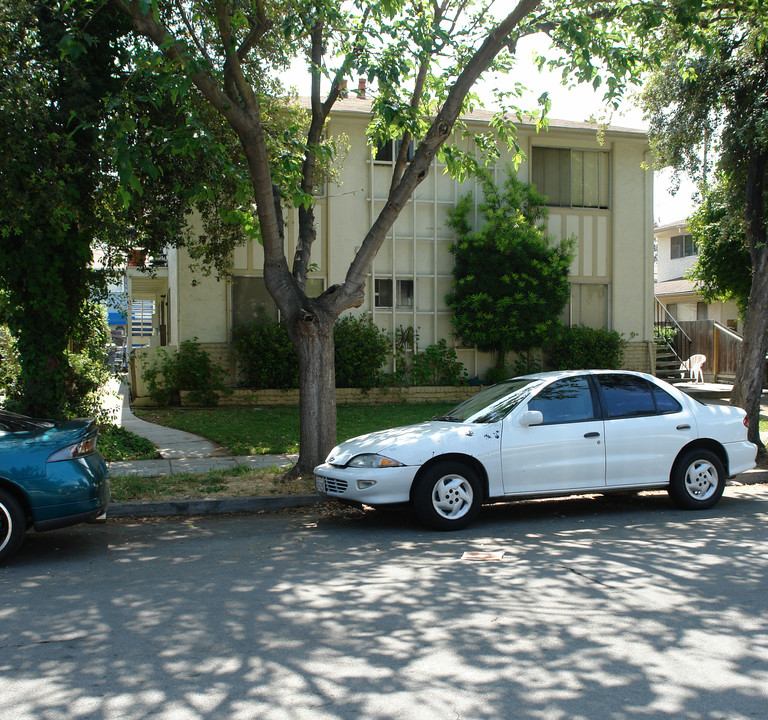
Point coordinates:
[(531, 417)]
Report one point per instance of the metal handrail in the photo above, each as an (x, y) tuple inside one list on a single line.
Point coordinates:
[(724, 329), (669, 319), (680, 346)]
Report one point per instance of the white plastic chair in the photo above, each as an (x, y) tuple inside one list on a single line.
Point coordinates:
[(692, 366)]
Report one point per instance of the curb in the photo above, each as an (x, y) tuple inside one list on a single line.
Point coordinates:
[(267, 503), (216, 506)]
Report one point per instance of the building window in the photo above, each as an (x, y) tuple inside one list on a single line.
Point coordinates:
[(383, 293), (142, 319), (251, 301), (405, 293), (572, 178), (682, 246), (387, 153)]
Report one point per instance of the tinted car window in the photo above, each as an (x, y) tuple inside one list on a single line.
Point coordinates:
[(627, 396), (567, 400), (665, 403), (11, 422)]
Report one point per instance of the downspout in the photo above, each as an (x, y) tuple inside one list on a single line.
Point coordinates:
[(648, 265)]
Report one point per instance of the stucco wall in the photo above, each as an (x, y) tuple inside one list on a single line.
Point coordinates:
[(632, 274), (612, 269), (201, 308)]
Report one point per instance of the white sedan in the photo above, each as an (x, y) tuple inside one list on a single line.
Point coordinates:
[(544, 435)]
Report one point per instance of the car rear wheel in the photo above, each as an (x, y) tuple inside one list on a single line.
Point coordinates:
[(447, 496), (12, 526), (698, 480)]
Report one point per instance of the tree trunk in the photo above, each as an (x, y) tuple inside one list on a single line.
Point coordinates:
[(750, 365), (313, 337)]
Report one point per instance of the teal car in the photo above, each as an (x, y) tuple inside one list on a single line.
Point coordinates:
[(51, 476)]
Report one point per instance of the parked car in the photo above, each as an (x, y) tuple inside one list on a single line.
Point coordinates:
[(51, 476), (545, 435)]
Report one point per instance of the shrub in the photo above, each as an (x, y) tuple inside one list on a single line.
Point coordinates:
[(266, 355), (189, 368), (361, 349), (523, 364), (268, 359), (87, 372), (406, 340), (580, 347), (9, 361), (437, 365)]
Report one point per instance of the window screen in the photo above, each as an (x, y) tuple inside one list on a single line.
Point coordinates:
[(572, 178)]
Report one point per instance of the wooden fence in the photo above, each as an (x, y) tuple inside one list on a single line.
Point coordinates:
[(720, 344)]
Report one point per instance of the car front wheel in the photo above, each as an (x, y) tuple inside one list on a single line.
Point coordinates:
[(447, 496), (698, 480), (12, 526)]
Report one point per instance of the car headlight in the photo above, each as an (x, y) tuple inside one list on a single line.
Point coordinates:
[(371, 460)]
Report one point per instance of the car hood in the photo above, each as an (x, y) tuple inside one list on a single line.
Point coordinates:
[(411, 444)]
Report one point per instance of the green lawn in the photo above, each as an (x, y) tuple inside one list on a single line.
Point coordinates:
[(275, 430), (117, 443), (235, 482)]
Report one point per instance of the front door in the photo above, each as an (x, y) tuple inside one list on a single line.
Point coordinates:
[(566, 452)]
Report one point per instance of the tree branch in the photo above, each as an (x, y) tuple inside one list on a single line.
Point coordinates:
[(260, 25), (419, 167)]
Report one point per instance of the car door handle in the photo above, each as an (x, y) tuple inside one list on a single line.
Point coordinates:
[(592, 434), (683, 427)]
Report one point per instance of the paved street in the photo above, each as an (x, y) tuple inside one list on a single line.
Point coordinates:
[(612, 609)]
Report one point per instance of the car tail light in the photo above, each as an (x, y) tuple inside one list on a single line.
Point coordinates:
[(746, 421), (78, 450)]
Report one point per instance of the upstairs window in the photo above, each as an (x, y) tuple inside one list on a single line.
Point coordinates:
[(572, 178), (387, 153), (682, 246), (383, 295)]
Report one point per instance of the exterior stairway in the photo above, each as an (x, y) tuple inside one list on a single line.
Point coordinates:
[(667, 363)]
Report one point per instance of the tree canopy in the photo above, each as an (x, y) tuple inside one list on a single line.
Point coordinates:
[(709, 94), (723, 269), (50, 112)]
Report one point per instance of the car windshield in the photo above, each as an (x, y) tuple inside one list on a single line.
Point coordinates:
[(493, 403), (11, 422)]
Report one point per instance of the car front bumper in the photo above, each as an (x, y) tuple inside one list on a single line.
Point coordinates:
[(389, 486)]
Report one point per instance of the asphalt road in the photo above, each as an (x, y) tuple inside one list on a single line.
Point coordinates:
[(612, 609)]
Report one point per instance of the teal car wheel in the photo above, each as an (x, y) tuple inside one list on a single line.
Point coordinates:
[(12, 525)]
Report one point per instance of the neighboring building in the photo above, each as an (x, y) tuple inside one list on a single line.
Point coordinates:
[(598, 191), (676, 254)]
